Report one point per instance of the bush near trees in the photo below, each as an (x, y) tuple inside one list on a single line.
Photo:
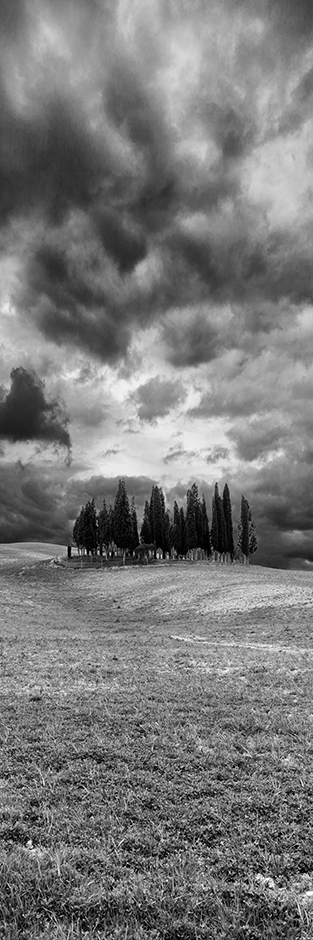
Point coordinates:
[(116, 527)]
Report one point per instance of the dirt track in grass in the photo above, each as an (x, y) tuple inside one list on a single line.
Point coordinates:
[(184, 691)]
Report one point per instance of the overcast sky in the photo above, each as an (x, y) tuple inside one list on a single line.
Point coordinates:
[(156, 209)]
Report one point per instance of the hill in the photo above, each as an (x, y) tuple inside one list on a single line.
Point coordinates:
[(156, 776)]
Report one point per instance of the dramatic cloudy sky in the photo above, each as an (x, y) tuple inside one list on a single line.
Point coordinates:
[(156, 288)]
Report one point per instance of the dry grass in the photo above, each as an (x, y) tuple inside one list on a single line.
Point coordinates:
[(156, 728)]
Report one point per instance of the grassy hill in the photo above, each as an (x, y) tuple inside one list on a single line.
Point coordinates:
[(156, 733), (27, 553)]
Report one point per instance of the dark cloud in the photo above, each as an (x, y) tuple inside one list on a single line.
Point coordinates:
[(49, 161), (26, 415), (294, 19), (71, 301), (282, 507), (102, 143), (190, 338), (258, 437), (156, 398), (125, 243), (13, 17), (33, 506), (291, 21), (37, 506), (217, 453)]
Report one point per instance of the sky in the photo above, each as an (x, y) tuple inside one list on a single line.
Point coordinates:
[(156, 282)]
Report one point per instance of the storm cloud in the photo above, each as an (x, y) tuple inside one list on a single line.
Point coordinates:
[(133, 186), (26, 415)]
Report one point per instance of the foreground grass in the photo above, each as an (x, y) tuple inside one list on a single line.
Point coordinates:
[(154, 784)]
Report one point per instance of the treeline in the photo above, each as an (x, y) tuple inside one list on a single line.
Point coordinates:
[(116, 526)]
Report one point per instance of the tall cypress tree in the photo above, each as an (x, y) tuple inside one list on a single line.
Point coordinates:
[(191, 526), (229, 522), (134, 526), (166, 523), (222, 531), (205, 528), (198, 516), (78, 530), (104, 527), (122, 518), (253, 544), (176, 537), (89, 526), (145, 531), (243, 528), (111, 524), (156, 515), (215, 536), (182, 532)]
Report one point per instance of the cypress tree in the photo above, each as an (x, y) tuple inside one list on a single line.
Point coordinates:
[(215, 538), (222, 531), (122, 518), (134, 526), (198, 516), (176, 535), (166, 523), (156, 511), (104, 527), (182, 532), (111, 524), (78, 532), (145, 531), (89, 527), (191, 527), (205, 528), (243, 528), (229, 522), (151, 513), (253, 544)]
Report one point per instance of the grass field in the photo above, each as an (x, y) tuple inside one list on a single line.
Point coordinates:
[(156, 778)]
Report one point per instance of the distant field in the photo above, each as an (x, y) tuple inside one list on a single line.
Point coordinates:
[(156, 733)]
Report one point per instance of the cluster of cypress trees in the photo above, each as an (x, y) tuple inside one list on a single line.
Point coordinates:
[(182, 530), (113, 525), (179, 530)]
